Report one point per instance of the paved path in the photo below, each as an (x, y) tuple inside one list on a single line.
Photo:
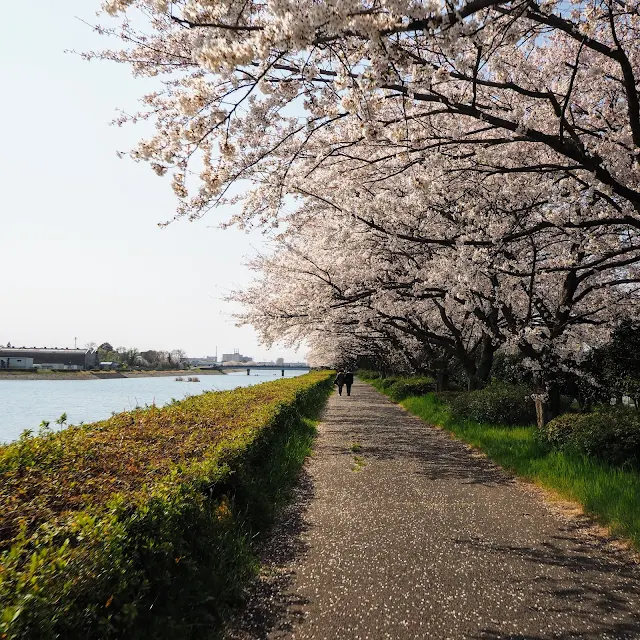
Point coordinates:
[(427, 540)]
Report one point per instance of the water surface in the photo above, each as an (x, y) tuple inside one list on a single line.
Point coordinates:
[(24, 404)]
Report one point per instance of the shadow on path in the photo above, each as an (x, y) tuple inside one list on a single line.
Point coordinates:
[(271, 604), (423, 539)]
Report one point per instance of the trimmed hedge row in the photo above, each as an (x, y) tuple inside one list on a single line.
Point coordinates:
[(611, 434), (140, 526)]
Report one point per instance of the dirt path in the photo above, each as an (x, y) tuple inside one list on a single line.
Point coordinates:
[(413, 536)]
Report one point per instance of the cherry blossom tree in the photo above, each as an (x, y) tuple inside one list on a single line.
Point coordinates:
[(446, 178), (464, 289), (248, 87)]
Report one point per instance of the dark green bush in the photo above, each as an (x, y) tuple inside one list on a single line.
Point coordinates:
[(611, 434), (402, 388), (385, 383), (499, 403), (448, 396), (368, 374)]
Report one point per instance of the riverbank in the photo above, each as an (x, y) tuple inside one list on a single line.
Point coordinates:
[(43, 374), (144, 525)]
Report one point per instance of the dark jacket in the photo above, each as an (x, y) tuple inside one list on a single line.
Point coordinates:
[(339, 379), (348, 378)]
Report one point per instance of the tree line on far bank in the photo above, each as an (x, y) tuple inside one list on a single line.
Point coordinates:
[(133, 357)]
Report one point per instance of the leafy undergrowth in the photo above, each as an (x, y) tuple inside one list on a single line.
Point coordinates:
[(611, 494), (396, 387), (141, 525)]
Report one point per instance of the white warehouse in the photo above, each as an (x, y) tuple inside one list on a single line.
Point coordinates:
[(11, 362)]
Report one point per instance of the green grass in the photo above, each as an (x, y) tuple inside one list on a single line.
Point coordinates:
[(610, 494), (358, 463)]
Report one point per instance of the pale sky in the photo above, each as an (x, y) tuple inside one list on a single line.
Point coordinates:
[(82, 255)]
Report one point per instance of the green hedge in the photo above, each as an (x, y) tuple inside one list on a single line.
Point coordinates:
[(399, 387), (387, 383), (402, 388), (499, 403), (141, 526), (612, 435)]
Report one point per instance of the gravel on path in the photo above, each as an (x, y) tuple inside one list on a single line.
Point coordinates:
[(398, 531)]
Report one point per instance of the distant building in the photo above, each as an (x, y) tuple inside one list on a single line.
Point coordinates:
[(207, 361), (11, 362), (109, 365), (236, 356), (54, 358)]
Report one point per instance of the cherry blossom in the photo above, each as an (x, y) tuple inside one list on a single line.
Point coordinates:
[(442, 180)]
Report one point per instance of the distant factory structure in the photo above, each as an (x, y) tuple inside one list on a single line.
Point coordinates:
[(236, 356), (35, 358), (212, 361), (206, 361)]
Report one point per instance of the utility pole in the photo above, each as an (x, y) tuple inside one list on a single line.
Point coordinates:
[(75, 343)]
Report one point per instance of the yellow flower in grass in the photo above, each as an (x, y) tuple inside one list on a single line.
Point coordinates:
[(223, 510)]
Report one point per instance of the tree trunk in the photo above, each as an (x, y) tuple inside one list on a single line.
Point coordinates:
[(485, 363), (547, 400), (472, 382), (539, 410), (554, 400), (442, 380)]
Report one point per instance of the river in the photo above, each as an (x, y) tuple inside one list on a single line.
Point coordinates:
[(24, 404)]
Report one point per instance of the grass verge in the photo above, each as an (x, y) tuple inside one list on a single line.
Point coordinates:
[(142, 526), (610, 494)]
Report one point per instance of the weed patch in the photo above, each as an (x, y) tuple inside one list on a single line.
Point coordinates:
[(358, 463)]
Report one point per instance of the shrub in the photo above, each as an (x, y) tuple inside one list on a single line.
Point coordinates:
[(385, 383), (499, 403), (369, 374), (140, 526), (611, 434), (402, 388), (447, 397)]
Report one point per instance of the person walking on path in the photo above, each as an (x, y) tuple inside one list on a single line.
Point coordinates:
[(340, 381), (348, 381)]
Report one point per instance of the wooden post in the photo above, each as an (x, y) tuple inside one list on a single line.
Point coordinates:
[(248, 372), (539, 410)]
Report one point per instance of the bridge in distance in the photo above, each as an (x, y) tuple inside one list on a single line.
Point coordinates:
[(248, 367)]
